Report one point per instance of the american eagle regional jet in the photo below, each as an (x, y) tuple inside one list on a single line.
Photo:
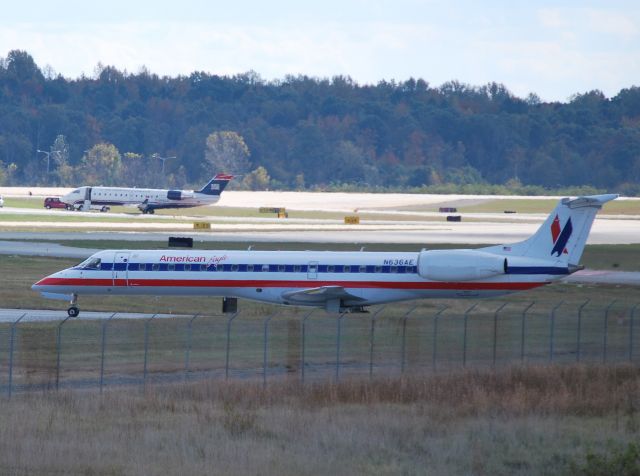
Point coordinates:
[(339, 281), (147, 200)]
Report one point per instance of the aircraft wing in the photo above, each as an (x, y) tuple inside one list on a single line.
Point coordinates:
[(319, 295)]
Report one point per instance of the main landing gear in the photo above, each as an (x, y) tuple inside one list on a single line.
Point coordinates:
[(73, 310)]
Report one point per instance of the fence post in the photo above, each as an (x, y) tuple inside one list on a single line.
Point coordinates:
[(464, 335), (12, 339), (146, 350), (404, 336), (606, 331), (266, 341), (552, 329), (187, 352), (226, 360), (372, 340), (59, 350), (633, 315), (523, 329), (304, 342), (338, 338), (435, 336), (495, 331), (578, 342), (104, 343)]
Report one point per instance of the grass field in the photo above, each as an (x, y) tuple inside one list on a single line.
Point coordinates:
[(487, 204), (539, 420), (617, 207), (34, 202)]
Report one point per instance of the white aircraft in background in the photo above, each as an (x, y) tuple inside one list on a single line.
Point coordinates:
[(146, 199), (339, 281)]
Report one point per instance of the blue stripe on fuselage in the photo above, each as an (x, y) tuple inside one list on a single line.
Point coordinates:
[(553, 270)]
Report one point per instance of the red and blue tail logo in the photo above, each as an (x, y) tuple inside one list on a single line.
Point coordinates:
[(560, 236)]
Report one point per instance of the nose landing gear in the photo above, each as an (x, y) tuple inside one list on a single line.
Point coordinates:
[(73, 310)]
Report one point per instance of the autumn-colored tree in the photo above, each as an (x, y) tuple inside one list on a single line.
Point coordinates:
[(258, 179), (102, 165), (227, 152)]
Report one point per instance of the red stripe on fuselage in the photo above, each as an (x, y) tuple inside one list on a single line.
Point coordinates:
[(231, 283)]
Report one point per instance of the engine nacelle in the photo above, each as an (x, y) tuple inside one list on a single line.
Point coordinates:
[(459, 265), (179, 195)]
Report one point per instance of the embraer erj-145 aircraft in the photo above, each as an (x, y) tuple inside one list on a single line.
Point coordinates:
[(339, 281), (146, 199)]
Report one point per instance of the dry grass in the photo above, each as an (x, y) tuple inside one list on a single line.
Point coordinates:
[(518, 421)]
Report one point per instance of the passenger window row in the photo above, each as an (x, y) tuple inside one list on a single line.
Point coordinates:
[(261, 268)]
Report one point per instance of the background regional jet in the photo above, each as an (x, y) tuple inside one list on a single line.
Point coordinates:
[(339, 281), (146, 199)]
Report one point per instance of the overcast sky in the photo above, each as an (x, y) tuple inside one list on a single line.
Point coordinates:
[(552, 48)]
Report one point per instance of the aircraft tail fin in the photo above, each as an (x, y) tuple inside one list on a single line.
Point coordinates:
[(564, 233), (216, 185)]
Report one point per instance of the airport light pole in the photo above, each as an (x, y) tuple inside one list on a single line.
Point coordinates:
[(164, 159), (48, 157)]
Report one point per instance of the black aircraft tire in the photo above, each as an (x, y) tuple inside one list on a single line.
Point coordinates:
[(73, 311), (151, 212)]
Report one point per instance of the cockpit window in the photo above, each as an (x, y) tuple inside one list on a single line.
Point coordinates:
[(77, 190), (90, 263)]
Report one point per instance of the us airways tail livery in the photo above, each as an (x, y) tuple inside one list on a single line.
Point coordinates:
[(339, 281), (147, 200)]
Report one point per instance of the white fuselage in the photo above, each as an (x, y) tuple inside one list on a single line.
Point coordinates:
[(278, 276), (153, 198)]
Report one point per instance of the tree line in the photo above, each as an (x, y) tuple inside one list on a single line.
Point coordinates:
[(141, 129)]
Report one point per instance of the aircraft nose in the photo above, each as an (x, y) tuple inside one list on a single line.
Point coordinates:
[(45, 283), (39, 285)]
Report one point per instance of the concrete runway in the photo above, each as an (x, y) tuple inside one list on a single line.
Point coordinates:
[(34, 248), (603, 232), (421, 227)]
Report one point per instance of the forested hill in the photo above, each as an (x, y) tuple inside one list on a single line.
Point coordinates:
[(307, 132)]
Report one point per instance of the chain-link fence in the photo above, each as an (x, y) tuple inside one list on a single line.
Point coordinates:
[(48, 353)]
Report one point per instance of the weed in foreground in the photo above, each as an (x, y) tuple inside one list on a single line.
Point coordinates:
[(536, 420), (615, 461)]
